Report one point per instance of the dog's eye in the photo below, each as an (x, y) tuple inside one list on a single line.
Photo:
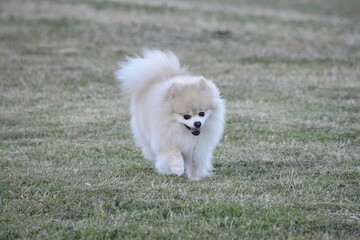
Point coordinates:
[(186, 116), (201, 114)]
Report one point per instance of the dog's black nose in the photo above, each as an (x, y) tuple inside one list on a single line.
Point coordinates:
[(197, 124)]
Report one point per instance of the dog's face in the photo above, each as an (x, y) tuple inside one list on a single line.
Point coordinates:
[(193, 120), (191, 105)]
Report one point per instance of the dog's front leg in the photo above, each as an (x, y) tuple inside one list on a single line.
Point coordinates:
[(170, 162), (198, 164)]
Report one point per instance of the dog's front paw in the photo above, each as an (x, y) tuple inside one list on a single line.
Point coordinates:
[(195, 174), (177, 168)]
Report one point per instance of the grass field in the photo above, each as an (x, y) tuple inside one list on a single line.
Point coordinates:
[(288, 166)]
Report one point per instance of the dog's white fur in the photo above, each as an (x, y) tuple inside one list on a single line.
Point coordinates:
[(162, 92)]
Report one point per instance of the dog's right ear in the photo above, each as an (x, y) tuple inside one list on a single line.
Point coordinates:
[(174, 90)]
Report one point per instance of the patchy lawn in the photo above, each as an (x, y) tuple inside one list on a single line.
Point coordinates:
[(289, 162)]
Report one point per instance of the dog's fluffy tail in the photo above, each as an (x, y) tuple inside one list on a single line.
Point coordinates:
[(154, 65)]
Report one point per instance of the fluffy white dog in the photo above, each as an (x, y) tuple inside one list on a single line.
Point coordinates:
[(177, 119)]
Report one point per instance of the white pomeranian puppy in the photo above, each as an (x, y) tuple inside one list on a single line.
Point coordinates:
[(177, 119)]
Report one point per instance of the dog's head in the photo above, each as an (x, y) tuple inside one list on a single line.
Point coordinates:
[(192, 104)]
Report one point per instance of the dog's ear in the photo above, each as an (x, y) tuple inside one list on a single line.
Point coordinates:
[(202, 84), (174, 90)]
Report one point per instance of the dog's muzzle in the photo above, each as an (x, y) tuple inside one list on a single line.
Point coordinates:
[(194, 131)]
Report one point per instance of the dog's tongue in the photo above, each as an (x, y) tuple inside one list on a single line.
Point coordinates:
[(195, 131)]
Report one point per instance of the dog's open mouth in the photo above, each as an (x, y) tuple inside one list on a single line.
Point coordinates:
[(194, 131)]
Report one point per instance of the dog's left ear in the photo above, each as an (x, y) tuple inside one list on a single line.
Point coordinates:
[(202, 84)]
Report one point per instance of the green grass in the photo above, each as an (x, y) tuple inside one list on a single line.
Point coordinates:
[(288, 166)]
